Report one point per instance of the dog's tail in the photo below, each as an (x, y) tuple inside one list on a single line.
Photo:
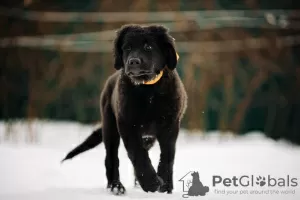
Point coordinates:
[(90, 142)]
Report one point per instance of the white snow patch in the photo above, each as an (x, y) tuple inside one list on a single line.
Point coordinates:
[(34, 172)]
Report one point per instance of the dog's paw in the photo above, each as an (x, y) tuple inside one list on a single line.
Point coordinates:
[(116, 188), (153, 185), (165, 187)]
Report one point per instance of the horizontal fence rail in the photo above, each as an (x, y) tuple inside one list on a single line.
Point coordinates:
[(222, 18), (102, 41), (61, 44)]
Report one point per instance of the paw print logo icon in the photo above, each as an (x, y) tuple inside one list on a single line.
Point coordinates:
[(261, 181)]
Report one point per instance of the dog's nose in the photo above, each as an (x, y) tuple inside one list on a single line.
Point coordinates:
[(134, 62)]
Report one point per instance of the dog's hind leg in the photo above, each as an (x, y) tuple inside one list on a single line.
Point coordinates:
[(111, 140)]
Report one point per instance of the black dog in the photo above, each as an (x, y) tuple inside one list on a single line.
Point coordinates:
[(143, 101)]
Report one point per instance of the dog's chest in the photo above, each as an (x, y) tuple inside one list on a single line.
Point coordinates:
[(147, 109)]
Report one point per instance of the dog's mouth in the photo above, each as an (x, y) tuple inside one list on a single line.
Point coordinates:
[(145, 78)]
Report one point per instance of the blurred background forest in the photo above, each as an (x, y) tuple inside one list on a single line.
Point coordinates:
[(239, 60)]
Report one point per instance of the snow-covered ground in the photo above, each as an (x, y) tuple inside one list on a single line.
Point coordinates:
[(34, 172)]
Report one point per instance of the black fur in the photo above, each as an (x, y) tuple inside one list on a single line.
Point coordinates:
[(90, 142), (131, 109)]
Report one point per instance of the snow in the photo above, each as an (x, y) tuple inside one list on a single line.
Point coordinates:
[(33, 171)]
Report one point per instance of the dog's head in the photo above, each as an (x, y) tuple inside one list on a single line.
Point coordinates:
[(195, 175), (143, 51)]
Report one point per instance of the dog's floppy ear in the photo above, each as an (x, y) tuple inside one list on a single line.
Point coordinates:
[(171, 56), (168, 43), (118, 64)]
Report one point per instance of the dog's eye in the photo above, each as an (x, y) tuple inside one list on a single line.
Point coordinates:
[(147, 47)]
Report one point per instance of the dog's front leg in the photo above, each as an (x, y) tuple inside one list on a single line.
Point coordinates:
[(167, 142), (145, 173)]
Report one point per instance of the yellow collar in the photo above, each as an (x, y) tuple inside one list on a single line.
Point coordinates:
[(157, 77)]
